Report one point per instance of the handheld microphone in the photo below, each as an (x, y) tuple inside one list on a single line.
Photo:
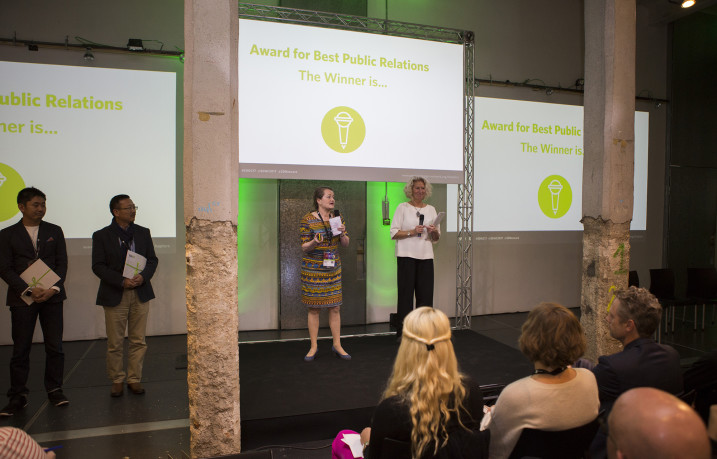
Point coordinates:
[(420, 219), (337, 213)]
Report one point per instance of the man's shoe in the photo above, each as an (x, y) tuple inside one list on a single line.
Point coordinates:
[(17, 402), (57, 398), (136, 388), (117, 389)]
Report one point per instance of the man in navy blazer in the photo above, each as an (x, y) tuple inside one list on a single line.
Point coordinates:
[(22, 244), (632, 319), (125, 299)]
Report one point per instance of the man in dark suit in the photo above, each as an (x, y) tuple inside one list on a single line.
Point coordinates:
[(21, 245), (124, 299), (632, 319)]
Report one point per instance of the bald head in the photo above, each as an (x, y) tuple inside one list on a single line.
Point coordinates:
[(650, 423)]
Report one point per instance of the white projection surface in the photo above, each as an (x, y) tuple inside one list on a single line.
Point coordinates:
[(83, 135), (323, 103), (529, 168)]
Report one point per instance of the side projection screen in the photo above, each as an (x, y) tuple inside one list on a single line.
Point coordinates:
[(318, 103)]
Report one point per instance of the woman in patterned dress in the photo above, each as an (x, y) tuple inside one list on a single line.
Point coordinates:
[(321, 269)]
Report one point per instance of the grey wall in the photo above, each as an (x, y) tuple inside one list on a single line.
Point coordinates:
[(516, 40), (692, 174)]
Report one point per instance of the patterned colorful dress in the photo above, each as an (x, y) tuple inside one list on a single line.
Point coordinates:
[(320, 285)]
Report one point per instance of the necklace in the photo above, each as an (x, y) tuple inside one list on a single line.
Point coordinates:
[(557, 371), (418, 212)]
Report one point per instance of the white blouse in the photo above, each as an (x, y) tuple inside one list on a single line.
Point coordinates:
[(419, 247)]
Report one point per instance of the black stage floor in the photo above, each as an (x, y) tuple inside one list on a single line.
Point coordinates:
[(305, 400), (284, 400)]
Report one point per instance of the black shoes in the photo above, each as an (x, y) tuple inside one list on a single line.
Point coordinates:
[(136, 388), (17, 402), (57, 398)]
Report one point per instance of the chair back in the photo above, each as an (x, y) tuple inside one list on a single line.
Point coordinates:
[(662, 283), (462, 444), (702, 284), (633, 279), (560, 444)]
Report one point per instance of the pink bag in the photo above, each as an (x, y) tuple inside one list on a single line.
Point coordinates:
[(339, 449)]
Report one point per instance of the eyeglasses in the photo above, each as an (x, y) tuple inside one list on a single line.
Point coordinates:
[(128, 208)]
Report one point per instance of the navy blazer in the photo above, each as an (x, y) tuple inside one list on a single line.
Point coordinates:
[(108, 264), (17, 253), (643, 363)]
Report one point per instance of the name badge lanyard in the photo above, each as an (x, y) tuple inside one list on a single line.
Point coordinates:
[(329, 257)]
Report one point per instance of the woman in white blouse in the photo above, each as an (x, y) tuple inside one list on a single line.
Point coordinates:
[(413, 230)]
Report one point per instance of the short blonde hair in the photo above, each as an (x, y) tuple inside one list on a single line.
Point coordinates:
[(552, 335), (408, 189), (425, 375)]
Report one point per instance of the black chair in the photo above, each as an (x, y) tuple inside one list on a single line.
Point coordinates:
[(701, 290), (461, 444), (561, 444), (662, 285)]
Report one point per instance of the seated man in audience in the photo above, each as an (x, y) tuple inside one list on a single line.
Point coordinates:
[(633, 318), (652, 424)]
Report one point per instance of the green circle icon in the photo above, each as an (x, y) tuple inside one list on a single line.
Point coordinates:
[(10, 185), (555, 196), (343, 129)]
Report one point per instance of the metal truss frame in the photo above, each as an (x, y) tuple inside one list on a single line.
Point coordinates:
[(348, 22), (464, 253), (464, 260)]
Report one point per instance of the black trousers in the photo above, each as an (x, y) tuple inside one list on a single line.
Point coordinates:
[(414, 276), (23, 327)]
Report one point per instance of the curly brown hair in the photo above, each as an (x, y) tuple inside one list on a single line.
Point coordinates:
[(642, 307), (552, 335)]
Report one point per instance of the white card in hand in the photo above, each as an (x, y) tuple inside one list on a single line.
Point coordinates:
[(133, 264)]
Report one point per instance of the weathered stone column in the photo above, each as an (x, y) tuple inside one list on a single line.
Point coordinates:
[(609, 133), (211, 166)]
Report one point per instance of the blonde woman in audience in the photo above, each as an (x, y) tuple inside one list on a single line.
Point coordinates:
[(555, 396), (427, 402)]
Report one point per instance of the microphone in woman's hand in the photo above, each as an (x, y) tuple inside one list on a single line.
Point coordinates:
[(420, 219)]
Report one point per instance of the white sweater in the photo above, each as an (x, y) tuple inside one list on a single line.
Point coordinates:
[(527, 403), (405, 219)]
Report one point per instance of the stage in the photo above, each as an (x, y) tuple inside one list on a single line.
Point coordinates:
[(303, 401)]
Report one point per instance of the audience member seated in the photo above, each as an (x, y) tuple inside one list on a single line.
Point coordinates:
[(647, 423), (428, 404), (556, 396), (633, 318), (701, 377), (16, 444)]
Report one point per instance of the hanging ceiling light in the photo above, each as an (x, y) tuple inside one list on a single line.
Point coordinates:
[(683, 3), (88, 55)]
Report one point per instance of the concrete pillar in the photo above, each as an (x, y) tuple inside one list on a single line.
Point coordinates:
[(211, 166), (608, 165)]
